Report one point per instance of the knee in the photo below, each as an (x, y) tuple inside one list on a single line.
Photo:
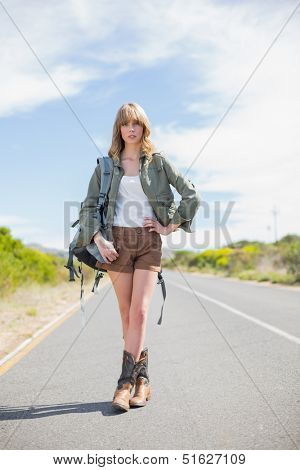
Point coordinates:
[(138, 314)]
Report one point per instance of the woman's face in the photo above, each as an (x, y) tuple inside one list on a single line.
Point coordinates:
[(132, 132)]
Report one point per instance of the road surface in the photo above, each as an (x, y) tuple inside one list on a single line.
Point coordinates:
[(224, 368)]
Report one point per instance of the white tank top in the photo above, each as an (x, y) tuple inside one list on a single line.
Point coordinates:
[(132, 204)]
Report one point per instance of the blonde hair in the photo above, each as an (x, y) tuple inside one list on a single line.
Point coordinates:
[(126, 113)]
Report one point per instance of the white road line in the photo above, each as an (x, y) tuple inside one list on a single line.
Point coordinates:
[(263, 324)]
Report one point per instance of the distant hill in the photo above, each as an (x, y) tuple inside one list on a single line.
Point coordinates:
[(44, 249)]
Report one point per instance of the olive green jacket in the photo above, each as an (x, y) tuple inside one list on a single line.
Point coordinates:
[(155, 176)]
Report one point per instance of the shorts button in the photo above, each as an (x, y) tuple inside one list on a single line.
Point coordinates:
[(139, 230)]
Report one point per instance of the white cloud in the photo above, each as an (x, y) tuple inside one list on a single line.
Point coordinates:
[(55, 33), (12, 220)]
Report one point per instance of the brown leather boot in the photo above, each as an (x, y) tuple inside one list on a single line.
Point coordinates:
[(130, 370), (142, 391)]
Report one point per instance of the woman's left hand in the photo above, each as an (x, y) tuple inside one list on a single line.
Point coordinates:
[(154, 225)]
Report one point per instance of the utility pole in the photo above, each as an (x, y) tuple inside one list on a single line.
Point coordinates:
[(275, 212), (269, 233)]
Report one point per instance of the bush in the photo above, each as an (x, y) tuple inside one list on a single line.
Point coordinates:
[(248, 275), (198, 261), (22, 266), (291, 258)]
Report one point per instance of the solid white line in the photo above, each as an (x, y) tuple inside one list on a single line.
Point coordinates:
[(261, 323)]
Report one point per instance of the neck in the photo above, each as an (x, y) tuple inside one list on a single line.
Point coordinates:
[(131, 152)]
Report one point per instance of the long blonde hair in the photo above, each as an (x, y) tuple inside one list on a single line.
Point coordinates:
[(127, 112)]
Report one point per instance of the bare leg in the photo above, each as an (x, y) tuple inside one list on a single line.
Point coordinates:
[(122, 283), (142, 290)]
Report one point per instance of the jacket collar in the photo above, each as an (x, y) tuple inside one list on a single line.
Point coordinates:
[(117, 161)]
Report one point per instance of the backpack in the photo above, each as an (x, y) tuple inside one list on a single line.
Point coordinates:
[(90, 254)]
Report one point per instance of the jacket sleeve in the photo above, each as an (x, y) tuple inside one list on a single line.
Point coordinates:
[(88, 212), (190, 197)]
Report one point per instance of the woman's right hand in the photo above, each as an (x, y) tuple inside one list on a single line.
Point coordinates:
[(106, 248)]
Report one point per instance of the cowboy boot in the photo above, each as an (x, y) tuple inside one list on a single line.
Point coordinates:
[(130, 371), (142, 391)]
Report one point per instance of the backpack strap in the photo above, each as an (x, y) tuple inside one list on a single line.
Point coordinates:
[(82, 302), (98, 276), (163, 288), (70, 265), (159, 166), (106, 167)]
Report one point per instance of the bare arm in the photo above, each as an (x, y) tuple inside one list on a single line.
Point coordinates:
[(171, 228)]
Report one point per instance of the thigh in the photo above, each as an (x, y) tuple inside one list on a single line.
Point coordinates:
[(142, 289), (122, 283)]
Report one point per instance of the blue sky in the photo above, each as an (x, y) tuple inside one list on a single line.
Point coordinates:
[(184, 65)]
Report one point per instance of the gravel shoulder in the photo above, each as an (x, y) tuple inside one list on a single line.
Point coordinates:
[(29, 309)]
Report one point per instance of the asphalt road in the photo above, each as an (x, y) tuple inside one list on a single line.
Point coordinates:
[(224, 368)]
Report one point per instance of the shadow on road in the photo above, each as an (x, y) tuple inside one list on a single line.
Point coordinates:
[(35, 412)]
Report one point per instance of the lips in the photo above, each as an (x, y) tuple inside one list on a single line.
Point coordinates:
[(132, 135)]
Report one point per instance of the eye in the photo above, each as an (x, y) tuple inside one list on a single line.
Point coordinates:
[(134, 122)]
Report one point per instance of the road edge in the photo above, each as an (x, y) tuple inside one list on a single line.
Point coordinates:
[(12, 358)]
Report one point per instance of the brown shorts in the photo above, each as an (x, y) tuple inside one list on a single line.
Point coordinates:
[(138, 249)]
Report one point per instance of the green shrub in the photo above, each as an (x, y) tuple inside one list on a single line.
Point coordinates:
[(291, 258), (282, 278), (21, 265), (31, 312), (198, 261), (248, 274), (274, 262)]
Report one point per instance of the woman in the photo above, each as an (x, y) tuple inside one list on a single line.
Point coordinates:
[(139, 197)]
